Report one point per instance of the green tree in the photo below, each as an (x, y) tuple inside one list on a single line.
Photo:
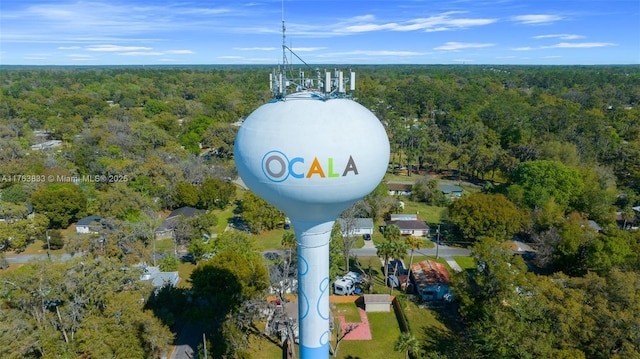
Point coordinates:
[(215, 193), (79, 308), (186, 194), (535, 182), (385, 250), (169, 263), (14, 194), (392, 233), (61, 203), (258, 214), (408, 344), (486, 215)]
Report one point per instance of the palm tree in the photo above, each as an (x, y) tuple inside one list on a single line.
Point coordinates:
[(392, 233), (398, 251), (408, 344), (414, 243), (385, 250)]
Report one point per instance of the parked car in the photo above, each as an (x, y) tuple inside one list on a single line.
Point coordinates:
[(366, 236)]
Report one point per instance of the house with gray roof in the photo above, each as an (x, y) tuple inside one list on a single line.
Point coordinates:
[(410, 225), (89, 224), (158, 278), (169, 224), (356, 226)]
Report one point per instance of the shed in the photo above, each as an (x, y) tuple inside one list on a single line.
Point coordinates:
[(377, 302)]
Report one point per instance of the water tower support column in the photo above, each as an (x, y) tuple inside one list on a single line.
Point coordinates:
[(313, 288)]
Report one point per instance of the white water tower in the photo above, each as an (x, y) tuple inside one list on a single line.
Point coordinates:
[(312, 153)]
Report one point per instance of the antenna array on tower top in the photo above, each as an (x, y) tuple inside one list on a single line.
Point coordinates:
[(332, 85)]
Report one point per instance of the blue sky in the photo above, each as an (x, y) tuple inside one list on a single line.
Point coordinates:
[(136, 32)]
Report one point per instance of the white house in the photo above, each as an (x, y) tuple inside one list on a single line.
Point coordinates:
[(399, 189), (90, 224), (358, 226)]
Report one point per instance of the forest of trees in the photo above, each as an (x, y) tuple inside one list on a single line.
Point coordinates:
[(551, 147)]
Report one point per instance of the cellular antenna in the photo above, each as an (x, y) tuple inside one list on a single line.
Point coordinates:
[(332, 85)]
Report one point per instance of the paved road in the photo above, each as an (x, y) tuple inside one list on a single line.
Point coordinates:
[(25, 258), (446, 252), (441, 251)]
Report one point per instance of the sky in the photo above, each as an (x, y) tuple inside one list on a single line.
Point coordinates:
[(160, 32)]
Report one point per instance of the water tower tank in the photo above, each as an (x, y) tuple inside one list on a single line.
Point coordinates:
[(312, 157)]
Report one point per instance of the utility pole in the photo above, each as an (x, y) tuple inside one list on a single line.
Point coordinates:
[(46, 233), (438, 242), (204, 343)]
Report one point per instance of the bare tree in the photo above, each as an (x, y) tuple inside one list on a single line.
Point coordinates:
[(349, 219), (340, 335), (547, 244)]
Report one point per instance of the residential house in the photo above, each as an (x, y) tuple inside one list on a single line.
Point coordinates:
[(399, 189), (356, 226), (410, 225), (18, 212), (158, 278), (627, 223), (47, 145), (89, 224), (431, 280), (169, 224), (450, 191)]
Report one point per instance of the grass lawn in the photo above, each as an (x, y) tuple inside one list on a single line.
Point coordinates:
[(347, 310), (165, 245), (270, 240), (384, 330), (40, 247), (466, 263), (430, 214), (184, 271)]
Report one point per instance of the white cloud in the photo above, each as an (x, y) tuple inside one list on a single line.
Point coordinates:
[(231, 57), (68, 47), (537, 19), (179, 52), (442, 22), (455, 46), (524, 48), (559, 36), (141, 53), (374, 53), (255, 48), (307, 49), (579, 45), (116, 48)]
